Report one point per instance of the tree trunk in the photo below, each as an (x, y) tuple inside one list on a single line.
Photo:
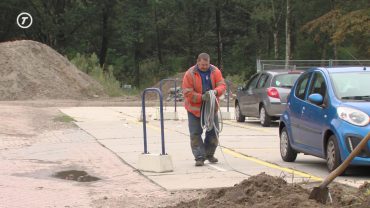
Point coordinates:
[(335, 54), (218, 31), (137, 65), (335, 50), (275, 28), (259, 40), (104, 40), (159, 46), (324, 55), (60, 36), (287, 34), (191, 27), (191, 48), (276, 45)]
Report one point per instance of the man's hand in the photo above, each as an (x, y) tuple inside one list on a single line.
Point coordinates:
[(215, 92), (205, 96)]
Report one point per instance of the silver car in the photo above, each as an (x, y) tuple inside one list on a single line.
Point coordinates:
[(264, 95)]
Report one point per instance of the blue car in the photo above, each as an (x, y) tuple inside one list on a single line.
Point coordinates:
[(327, 115)]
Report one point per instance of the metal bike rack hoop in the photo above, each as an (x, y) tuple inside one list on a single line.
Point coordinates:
[(159, 92)]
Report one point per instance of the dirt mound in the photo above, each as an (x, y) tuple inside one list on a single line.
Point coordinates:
[(32, 70), (346, 196), (257, 191), (267, 191)]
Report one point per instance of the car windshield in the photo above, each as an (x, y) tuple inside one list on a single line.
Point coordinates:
[(352, 85), (284, 80)]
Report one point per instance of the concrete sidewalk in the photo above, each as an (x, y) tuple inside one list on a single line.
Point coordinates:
[(118, 129)]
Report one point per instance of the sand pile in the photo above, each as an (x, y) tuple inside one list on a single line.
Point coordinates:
[(32, 70)]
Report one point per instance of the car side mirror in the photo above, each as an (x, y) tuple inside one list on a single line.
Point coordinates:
[(316, 99)]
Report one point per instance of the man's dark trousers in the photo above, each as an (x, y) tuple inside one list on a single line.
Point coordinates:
[(202, 150)]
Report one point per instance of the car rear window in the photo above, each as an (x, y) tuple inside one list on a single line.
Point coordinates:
[(284, 80)]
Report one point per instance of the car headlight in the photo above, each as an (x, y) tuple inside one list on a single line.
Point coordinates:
[(353, 116)]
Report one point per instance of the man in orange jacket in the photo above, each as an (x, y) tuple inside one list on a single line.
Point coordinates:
[(197, 81)]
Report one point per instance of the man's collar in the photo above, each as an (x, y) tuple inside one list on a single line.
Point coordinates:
[(197, 68)]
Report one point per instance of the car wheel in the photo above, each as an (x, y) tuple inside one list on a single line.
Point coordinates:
[(286, 151), (238, 114), (264, 118), (332, 154)]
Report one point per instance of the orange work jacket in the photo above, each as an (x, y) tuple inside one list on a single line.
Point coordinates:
[(192, 88)]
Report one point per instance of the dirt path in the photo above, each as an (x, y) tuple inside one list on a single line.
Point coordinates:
[(36, 143)]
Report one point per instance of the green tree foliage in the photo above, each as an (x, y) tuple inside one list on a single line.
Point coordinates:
[(340, 23), (147, 40), (90, 65)]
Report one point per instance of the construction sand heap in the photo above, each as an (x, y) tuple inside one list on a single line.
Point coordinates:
[(32, 70)]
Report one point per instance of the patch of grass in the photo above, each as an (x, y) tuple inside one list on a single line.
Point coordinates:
[(133, 92), (367, 192), (64, 118)]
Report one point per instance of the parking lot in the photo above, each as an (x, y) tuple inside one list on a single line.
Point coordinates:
[(245, 149)]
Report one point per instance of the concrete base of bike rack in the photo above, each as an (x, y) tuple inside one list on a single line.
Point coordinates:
[(166, 115), (227, 116), (155, 163)]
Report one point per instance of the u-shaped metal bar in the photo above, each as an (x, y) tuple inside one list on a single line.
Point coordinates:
[(159, 92)]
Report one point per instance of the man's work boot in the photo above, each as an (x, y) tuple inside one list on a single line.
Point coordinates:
[(212, 159), (199, 162)]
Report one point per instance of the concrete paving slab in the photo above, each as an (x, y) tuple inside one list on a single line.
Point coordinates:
[(251, 149)]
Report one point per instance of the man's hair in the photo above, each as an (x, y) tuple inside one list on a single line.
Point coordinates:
[(203, 56)]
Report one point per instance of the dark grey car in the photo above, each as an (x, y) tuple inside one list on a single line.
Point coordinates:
[(264, 95)]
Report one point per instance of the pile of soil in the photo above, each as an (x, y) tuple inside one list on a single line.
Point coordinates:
[(267, 191), (32, 70)]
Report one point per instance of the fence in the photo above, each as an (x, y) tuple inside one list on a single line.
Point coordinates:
[(263, 65)]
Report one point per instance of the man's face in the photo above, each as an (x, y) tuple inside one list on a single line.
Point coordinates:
[(203, 64)]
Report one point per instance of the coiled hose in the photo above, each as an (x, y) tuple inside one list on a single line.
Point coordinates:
[(208, 113)]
